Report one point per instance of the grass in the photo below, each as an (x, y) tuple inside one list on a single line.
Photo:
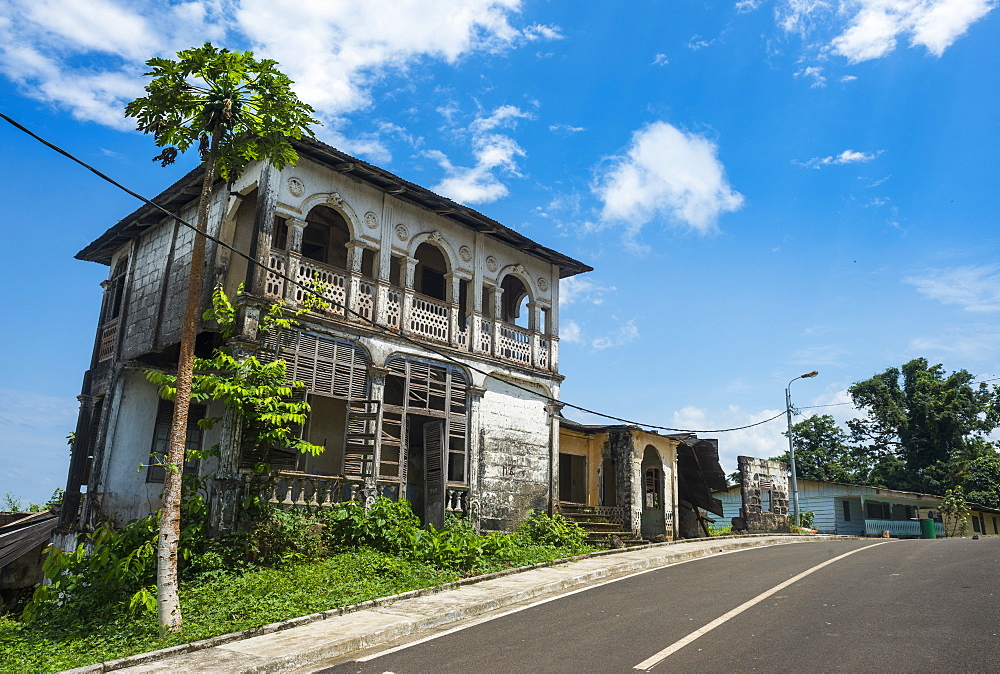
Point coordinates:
[(230, 602), (219, 606)]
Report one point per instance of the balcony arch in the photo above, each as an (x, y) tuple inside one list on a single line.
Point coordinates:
[(518, 295)]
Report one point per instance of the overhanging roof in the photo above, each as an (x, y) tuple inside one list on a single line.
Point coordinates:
[(188, 188)]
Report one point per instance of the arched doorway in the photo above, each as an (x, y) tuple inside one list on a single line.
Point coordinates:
[(652, 522)]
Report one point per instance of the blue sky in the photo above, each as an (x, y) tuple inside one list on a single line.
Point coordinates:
[(763, 188)]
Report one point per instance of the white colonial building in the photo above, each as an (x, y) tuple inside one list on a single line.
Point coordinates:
[(432, 376)]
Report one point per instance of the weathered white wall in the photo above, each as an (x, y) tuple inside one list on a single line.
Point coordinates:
[(514, 462), (121, 492)]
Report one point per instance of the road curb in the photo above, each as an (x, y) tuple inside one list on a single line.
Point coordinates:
[(288, 644)]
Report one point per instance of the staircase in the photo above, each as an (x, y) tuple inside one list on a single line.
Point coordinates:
[(600, 523)]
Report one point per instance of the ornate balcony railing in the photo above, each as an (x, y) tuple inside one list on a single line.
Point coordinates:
[(429, 318), (456, 501), (404, 310), (514, 343)]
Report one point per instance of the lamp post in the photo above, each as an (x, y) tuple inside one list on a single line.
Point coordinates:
[(791, 445)]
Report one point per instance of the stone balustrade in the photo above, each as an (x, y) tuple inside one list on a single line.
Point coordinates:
[(356, 298)]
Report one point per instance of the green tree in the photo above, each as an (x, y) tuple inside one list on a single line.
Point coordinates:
[(982, 481), (236, 109), (921, 422), (823, 452), (955, 511)]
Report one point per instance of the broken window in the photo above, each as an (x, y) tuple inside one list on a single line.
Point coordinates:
[(156, 472), (330, 367), (415, 390)]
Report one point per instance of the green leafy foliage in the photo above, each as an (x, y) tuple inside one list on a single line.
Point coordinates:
[(955, 512), (927, 419), (823, 452), (982, 481), (555, 530), (247, 103)]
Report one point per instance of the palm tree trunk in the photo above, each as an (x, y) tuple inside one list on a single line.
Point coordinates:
[(168, 602)]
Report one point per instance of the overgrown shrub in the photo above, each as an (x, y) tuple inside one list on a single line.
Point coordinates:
[(554, 530)]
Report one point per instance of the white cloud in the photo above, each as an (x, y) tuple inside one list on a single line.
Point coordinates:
[(660, 60), (540, 32), (492, 151), (845, 157), (666, 172), (627, 332), (569, 331), (869, 29), (764, 441), (565, 129), (848, 78), (815, 74), (86, 55), (974, 288), (580, 289), (744, 6), (976, 346)]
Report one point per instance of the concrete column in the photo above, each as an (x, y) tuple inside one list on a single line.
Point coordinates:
[(408, 271), (355, 253), (296, 228), (497, 314), (452, 294)]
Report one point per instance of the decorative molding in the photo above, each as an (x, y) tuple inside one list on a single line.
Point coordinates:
[(371, 220), (296, 187), (465, 253), (402, 233), (543, 285), (519, 268), (492, 264), (335, 199), (436, 236)]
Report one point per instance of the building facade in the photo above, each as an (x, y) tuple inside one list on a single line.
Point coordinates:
[(432, 375)]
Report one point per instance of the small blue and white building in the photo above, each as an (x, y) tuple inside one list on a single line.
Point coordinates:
[(854, 509)]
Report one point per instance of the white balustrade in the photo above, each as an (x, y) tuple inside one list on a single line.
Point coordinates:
[(394, 308), (456, 501), (364, 304), (277, 267), (328, 282), (514, 344), (429, 318), (485, 344)]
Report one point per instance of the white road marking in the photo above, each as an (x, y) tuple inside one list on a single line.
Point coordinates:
[(493, 616), (656, 659)]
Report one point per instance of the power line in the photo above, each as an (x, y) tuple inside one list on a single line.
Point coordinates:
[(348, 310)]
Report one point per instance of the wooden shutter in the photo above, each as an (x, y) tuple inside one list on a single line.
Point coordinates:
[(361, 437), (433, 473)]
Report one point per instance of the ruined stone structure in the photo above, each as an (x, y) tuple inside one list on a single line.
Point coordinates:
[(764, 489), (650, 485), (432, 376)]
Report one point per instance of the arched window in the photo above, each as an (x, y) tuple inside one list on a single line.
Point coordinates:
[(325, 237), (429, 275), (515, 301)]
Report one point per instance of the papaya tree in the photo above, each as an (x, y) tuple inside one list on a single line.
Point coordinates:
[(235, 109)]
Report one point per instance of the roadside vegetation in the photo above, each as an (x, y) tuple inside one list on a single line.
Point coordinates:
[(102, 605)]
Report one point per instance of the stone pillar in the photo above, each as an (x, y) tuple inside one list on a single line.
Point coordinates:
[(534, 326), (227, 487), (452, 282), (553, 409), (296, 228), (408, 272), (475, 451), (497, 314), (355, 253)]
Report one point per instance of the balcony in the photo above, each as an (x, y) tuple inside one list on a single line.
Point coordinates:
[(406, 311)]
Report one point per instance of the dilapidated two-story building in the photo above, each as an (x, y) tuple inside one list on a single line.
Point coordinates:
[(433, 375)]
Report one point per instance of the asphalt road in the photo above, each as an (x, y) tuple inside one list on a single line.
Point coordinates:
[(895, 606)]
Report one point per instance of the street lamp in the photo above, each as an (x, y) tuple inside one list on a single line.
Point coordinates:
[(791, 445)]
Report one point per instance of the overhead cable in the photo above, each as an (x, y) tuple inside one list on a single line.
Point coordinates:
[(347, 310)]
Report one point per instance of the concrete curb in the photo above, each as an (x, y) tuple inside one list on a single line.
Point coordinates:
[(288, 644)]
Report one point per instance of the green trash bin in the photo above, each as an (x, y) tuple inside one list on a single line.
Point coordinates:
[(927, 529)]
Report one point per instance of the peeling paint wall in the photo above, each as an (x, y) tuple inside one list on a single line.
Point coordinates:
[(514, 461), (764, 488)]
